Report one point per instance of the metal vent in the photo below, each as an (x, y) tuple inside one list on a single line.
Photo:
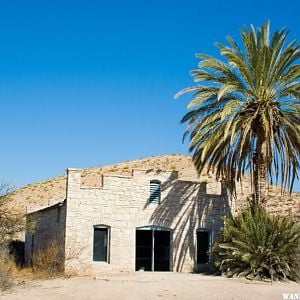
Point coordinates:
[(154, 192)]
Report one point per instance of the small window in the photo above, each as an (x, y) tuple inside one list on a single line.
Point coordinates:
[(101, 243), (203, 246), (154, 192)]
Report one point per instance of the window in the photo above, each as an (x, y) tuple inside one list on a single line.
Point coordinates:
[(154, 191), (203, 246), (101, 243)]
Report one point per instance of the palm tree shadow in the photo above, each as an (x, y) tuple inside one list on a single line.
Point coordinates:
[(186, 207)]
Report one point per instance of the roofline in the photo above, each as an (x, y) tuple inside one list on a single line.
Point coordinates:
[(59, 204)]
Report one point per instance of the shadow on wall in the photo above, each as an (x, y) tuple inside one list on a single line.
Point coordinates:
[(187, 207)]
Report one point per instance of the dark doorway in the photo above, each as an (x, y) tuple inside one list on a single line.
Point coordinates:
[(143, 250), (203, 245), (16, 249), (161, 250), (153, 249)]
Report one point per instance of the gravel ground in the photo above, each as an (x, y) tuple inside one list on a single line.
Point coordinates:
[(144, 285)]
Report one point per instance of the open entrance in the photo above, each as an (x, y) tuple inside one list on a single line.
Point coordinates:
[(203, 246), (153, 249)]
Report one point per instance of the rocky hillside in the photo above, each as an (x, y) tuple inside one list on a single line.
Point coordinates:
[(49, 192), (53, 190)]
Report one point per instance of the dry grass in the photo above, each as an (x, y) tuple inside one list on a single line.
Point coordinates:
[(7, 271), (49, 261)]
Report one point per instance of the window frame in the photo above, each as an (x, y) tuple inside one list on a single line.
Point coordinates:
[(152, 195), (108, 234)]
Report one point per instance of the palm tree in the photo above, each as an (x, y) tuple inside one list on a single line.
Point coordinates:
[(244, 116)]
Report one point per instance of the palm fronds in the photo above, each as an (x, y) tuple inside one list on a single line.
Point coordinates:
[(258, 245), (245, 111)]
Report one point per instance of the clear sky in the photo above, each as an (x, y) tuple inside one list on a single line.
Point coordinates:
[(89, 83)]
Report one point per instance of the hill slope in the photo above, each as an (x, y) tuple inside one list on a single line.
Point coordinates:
[(49, 192), (53, 190)]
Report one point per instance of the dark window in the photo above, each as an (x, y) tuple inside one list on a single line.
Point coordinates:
[(203, 246), (101, 243), (154, 191)]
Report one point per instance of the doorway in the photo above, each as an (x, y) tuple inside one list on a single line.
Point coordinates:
[(203, 246), (153, 249)]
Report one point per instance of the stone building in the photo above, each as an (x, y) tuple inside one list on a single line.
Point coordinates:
[(149, 221), (158, 218)]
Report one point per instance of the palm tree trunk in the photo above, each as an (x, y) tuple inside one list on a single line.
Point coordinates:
[(260, 172)]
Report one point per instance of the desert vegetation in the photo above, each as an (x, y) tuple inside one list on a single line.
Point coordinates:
[(244, 118), (49, 261), (258, 245), (11, 223), (244, 115)]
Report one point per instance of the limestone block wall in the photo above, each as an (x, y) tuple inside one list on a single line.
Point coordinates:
[(122, 203), (44, 227)]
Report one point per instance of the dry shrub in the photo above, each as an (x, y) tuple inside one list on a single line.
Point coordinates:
[(73, 259), (49, 261), (11, 223), (7, 269)]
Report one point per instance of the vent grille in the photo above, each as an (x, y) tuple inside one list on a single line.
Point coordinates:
[(154, 192)]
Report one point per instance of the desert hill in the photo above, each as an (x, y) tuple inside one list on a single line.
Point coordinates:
[(51, 191), (41, 194)]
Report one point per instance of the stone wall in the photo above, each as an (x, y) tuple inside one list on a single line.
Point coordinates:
[(44, 227), (122, 203)]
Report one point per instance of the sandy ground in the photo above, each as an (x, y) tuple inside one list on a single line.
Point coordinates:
[(149, 286)]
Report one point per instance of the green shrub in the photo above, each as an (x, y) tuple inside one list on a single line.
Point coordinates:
[(259, 245)]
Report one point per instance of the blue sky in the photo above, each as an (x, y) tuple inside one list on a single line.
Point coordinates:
[(88, 83)]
